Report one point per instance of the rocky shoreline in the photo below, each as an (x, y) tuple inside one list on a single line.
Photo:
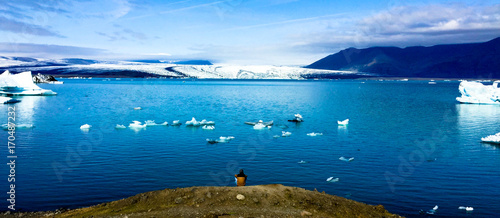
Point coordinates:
[(250, 201)]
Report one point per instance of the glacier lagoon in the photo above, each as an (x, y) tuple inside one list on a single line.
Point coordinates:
[(414, 145)]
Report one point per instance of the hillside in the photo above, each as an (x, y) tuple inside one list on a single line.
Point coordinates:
[(258, 201), (474, 60)]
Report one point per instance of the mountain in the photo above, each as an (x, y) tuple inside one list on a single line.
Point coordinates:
[(473, 60)]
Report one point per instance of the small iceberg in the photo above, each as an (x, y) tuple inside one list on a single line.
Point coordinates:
[(343, 123), (118, 126), (137, 108), (193, 122), (494, 139), (331, 179), (18, 126), (259, 126), (314, 134), (208, 127), (7, 100), (221, 139), (136, 125), (152, 123), (276, 136), (466, 208), (270, 123), (285, 134), (478, 93), (298, 118), (346, 159), (205, 122), (431, 211), (176, 123), (85, 126), (302, 162)]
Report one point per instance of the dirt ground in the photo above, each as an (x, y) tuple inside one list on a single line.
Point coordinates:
[(249, 201)]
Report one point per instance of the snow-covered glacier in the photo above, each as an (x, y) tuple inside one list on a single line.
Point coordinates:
[(140, 69)]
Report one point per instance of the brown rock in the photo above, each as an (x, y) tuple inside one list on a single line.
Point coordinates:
[(305, 213)]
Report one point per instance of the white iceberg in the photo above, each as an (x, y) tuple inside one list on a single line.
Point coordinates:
[(298, 118), (192, 122), (259, 126), (270, 123), (221, 139), (285, 134), (276, 136), (7, 100), (302, 162), (208, 127), (20, 84), (344, 122), (314, 134), (136, 125), (495, 139), (346, 159), (176, 123), (432, 211), (118, 126), (85, 126), (152, 123), (205, 122), (478, 93), (137, 108), (331, 179), (466, 208)]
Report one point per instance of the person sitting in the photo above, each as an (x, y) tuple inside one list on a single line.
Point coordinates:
[(241, 179)]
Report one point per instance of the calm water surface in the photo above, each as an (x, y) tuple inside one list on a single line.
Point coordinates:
[(414, 146)]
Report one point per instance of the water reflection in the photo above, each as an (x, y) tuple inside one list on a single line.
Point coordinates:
[(475, 118), (25, 110)]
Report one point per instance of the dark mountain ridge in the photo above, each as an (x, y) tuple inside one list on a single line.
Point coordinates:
[(472, 60)]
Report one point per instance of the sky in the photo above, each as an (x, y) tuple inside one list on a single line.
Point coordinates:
[(249, 32)]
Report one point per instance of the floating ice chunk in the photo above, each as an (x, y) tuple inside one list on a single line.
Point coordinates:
[(432, 83), (346, 159), (176, 123), (192, 122), (18, 126), (221, 139), (344, 122), (297, 119), (205, 122), (208, 127), (85, 126), (285, 134), (331, 179), (302, 162), (136, 125), (137, 108), (432, 211), (314, 134), (259, 126), (495, 139), (466, 208), (118, 126), (478, 93), (276, 136), (152, 123), (7, 100)]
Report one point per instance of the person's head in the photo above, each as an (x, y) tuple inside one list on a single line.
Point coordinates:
[(241, 171)]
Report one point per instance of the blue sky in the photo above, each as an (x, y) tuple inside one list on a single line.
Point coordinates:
[(278, 32)]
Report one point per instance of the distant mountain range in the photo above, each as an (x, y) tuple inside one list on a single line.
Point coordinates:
[(473, 60)]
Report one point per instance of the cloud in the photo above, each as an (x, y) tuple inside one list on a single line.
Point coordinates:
[(123, 34), (53, 50), (14, 26)]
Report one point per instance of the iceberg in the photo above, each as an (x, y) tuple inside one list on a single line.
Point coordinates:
[(298, 118), (495, 139), (346, 159), (466, 208), (221, 139), (302, 162), (205, 122), (344, 122), (270, 123), (314, 134), (85, 127), (152, 123), (20, 84), (118, 126), (176, 123), (136, 125), (208, 127), (7, 100), (331, 179), (285, 134), (431, 211), (478, 93), (259, 126), (137, 108), (276, 136), (192, 122)]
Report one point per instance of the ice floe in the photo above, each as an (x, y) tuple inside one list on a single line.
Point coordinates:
[(152, 123), (302, 162), (119, 126), (85, 126), (176, 123), (495, 139), (331, 179), (298, 118), (205, 122), (18, 126), (208, 127), (346, 159), (276, 136), (466, 208), (259, 126), (285, 134), (137, 108), (20, 84), (431, 211), (7, 100), (136, 125), (344, 122), (478, 93), (221, 139), (270, 123), (314, 134), (193, 122)]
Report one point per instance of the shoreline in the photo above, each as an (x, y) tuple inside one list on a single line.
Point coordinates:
[(273, 200)]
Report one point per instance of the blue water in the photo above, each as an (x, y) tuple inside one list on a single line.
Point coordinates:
[(414, 146)]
